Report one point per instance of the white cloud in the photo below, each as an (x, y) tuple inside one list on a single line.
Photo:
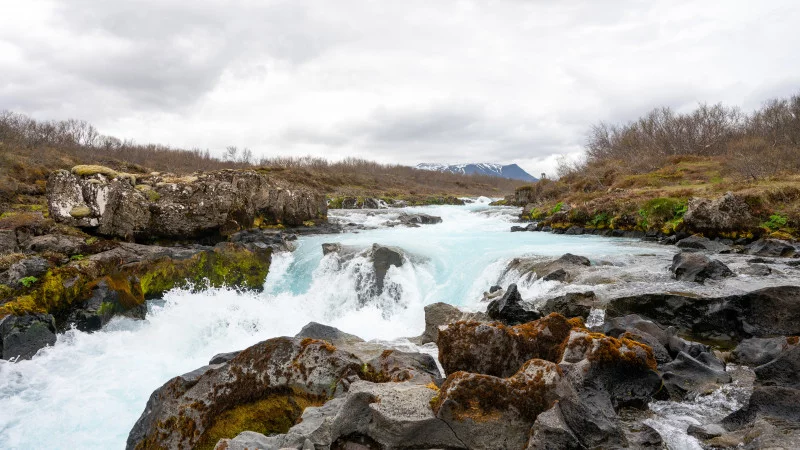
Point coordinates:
[(450, 81)]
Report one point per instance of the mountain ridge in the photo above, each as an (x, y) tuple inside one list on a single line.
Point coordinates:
[(511, 171)]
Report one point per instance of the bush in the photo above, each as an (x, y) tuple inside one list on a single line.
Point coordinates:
[(775, 222), (28, 281)]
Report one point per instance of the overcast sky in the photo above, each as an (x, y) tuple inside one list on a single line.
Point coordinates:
[(394, 81)]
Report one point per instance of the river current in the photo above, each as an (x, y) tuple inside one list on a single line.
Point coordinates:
[(87, 390)]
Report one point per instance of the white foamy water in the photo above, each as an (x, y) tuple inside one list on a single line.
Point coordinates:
[(87, 391)]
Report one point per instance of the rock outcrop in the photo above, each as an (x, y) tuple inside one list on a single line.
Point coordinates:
[(509, 309), (212, 203), (727, 214), (698, 268), (22, 336)]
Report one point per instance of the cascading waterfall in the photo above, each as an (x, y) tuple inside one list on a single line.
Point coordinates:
[(89, 389)]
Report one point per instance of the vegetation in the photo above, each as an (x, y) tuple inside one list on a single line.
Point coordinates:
[(640, 175)]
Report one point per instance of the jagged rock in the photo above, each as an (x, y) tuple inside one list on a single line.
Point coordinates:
[(703, 243), (509, 309), (762, 313), (57, 243), (708, 431), (263, 239), (551, 432), (556, 275), (777, 402), (771, 247), (698, 267), (333, 247), (728, 213), (530, 268), (686, 374), (784, 370), (498, 350), (490, 412), (384, 257), (757, 351), (572, 304), (757, 270), (22, 336), (397, 366), (418, 219), (222, 358), (219, 203), (110, 296), (280, 375), (440, 314), (34, 266), (328, 333)]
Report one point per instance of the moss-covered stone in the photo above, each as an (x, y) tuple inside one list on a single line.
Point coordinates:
[(80, 211), (86, 170)]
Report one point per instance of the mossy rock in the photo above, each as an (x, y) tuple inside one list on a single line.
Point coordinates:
[(80, 212), (86, 170)]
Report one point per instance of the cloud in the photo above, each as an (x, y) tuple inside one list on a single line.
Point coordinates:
[(451, 81)]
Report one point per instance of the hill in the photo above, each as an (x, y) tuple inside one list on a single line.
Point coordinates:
[(510, 171)]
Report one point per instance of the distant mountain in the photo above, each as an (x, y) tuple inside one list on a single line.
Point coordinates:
[(512, 171)]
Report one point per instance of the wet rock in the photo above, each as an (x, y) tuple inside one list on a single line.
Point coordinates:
[(728, 213), (551, 432), (705, 432), (374, 203), (648, 437), (34, 266), (280, 375), (784, 370), (328, 333), (776, 402), (331, 248), (384, 257), (762, 313), (760, 434), (771, 247), (574, 231), (517, 228), (509, 309), (351, 203), (498, 350), (22, 336), (590, 415), (569, 258), (222, 358), (110, 296), (756, 270), (687, 374), (698, 268), (757, 351), (623, 369), (264, 239), (703, 243), (418, 219), (490, 412), (440, 314), (572, 304), (556, 275), (210, 203)]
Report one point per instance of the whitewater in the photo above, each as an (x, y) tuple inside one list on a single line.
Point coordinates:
[(88, 390)]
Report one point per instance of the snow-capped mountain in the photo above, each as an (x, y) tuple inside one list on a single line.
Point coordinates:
[(512, 171)]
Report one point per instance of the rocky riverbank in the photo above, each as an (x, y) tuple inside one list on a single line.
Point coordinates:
[(113, 240), (550, 382)]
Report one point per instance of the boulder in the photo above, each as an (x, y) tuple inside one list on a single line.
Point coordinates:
[(556, 275), (56, 243), (775, 402), (703, 243), (693, 375), (209, 203), (418, 219), (257, 239), (784, 370), (771, 247), (29, 268), (384, 257), (328, 333), (374, 203), (754, 352), (572, 304), (110, 296), (762, 313), (8, 241), (222, 358), (440, 314), (397, 366), (333, 247), (278, 377), (551, 432), (698, 268), (489, 412), (22, 336), (727, 214), (756, 270), (509, 309), (498, 350)]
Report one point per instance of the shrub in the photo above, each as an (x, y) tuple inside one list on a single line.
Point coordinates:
[(28, 281), (775, 222)]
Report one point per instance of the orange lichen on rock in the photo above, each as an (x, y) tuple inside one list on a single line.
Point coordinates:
[(598, 347)]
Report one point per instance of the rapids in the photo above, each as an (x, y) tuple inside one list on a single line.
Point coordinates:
[(87, 390)]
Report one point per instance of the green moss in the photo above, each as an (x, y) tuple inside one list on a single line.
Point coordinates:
[(80, 211), (5, 291), (335, 203), (775, 222), (658, 211), (76, 257), (106, 309), (88, 170), (557, 208), (28, 281)]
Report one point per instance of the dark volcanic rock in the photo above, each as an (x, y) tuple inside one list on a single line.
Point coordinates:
[(771, 247), (784, 370), (762, 313), (757, 351), (108, 298), (686, 374), (56, 243), (766, 401), (573, 304), (418, 219), (509, 308), (556, 275), (34, 266), (698, 267), (328, 333), (23, 336), (441, 314), (384, 257)]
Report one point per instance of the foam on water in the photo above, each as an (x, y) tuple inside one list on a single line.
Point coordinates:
[(88, 390)]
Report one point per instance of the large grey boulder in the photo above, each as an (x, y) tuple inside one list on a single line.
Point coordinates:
[(771, 247), (572, 304), (698, 268), (222, 202), (703, 243), (22, 336), (754, 352), (693, 375), (384, 257), (413, 220), (438, 315), (8, 241), (728, 213), (34, 266), (57, 243)]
